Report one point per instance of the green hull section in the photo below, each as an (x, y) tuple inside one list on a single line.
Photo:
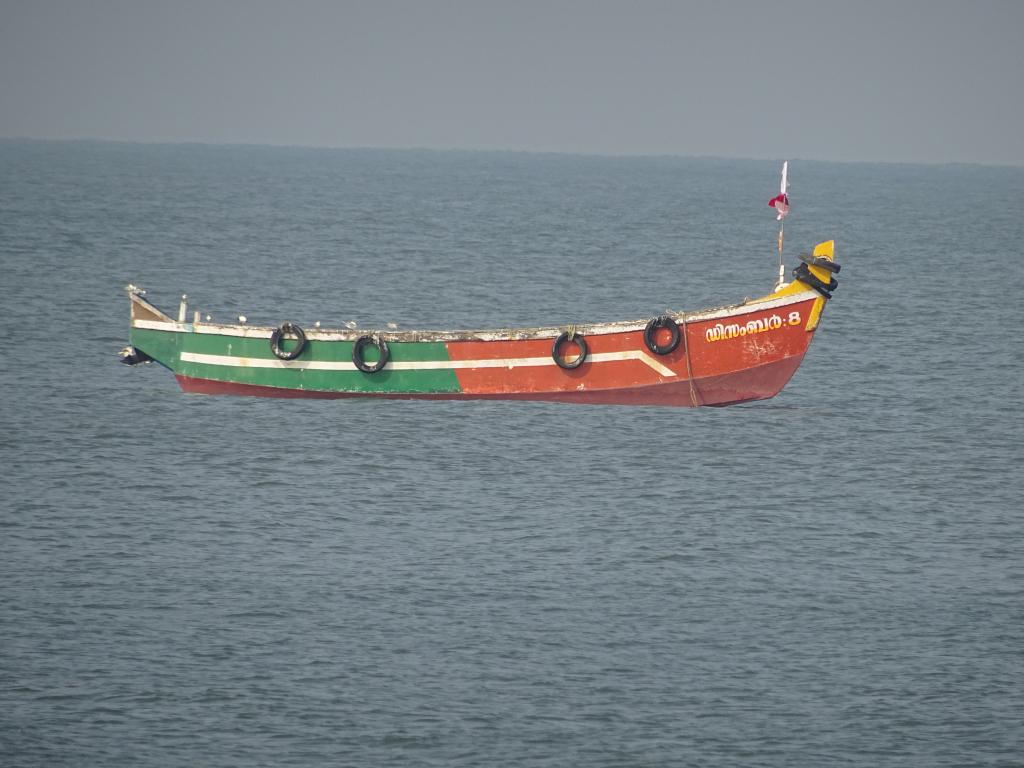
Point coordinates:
[(174, 349)]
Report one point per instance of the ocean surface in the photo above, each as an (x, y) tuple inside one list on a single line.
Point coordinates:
[(834, 577)]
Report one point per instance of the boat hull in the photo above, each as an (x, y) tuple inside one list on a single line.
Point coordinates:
[(758, 383), (728, 355)]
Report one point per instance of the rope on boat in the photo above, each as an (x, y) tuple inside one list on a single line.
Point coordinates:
[(694, 400)]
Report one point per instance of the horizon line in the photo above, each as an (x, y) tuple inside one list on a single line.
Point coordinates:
[(493, 150)]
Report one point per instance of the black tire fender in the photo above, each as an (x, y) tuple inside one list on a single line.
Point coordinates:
[(279, 333), (663, 321), (357, 353), (818, 261), (576, 339), (803, 274)]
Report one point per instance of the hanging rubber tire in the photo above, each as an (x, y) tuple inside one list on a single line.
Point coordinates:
[(382, 349), (818, 261), (803, 274), (279, 333), (664, 321), (576, 339)]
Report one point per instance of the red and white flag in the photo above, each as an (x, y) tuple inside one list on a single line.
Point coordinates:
[(781, 201)]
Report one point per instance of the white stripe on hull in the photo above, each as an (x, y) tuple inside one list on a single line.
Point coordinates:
[(420, 365)]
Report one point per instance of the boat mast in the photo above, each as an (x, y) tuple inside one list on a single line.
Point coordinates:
[(781, 204)]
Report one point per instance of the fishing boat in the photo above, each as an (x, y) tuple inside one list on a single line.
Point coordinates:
[(730, 354)]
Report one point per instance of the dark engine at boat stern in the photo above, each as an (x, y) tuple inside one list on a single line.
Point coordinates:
[(132, 356)]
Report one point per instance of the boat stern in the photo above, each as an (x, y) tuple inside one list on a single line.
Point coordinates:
[(153, 336)]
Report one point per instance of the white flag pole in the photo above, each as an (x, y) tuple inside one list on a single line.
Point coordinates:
[(782, 225)]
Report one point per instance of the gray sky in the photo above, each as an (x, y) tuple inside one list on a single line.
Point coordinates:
[(892, 81)]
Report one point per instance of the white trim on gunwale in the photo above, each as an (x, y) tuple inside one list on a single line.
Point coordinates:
[(504, 334)]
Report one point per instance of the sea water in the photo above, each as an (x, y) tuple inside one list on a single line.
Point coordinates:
[(831, 577)]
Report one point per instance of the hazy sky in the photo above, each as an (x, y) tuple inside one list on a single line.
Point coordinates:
[(893, 81)]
